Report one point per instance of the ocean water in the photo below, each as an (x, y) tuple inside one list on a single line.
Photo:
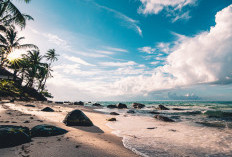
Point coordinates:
[(200, 129)]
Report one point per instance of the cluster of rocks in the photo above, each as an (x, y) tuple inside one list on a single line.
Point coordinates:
[(119, 106), (11, 136)]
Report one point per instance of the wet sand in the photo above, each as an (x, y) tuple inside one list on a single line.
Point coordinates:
[(96, 141)]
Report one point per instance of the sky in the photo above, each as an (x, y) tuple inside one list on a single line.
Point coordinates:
[(135, 50)]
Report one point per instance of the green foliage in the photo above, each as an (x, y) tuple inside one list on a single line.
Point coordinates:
[(46, 94), (9, 88)]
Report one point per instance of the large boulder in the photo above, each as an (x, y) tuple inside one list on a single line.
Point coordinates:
[(47, 109), (97, 104), (163, 118), (138, 105), (112, 106), (46, 131), (77, 118), (79, 103), (121, 106), (11, 136), (162, 107)]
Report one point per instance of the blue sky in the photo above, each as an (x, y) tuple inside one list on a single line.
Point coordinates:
[(135, 49)]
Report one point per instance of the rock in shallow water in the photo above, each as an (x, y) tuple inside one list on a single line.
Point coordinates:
[(47, 109), (77, 118), (111, 106), (163, 118), (46, 130), (96, 104), (79, 103), (138, 105), (11, 136), (121, 106), (162, 107), (29, 105)]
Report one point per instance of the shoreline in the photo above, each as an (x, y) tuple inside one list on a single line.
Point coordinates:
[(79, 141)]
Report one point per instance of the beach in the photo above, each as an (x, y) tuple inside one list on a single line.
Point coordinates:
[(79, 141)]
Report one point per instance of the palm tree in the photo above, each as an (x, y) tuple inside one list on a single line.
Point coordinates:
[(9, 13), (34, 64), (10, 42), (51, 55), (16, 65)]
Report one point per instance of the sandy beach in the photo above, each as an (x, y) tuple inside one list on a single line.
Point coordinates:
[(79, 141)]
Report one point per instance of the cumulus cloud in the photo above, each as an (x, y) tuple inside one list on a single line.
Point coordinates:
[(204, 58), (174, 8)]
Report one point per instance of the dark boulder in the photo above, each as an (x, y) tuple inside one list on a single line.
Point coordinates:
[(111, 119), (11, 136), (97, 104), (29, 105), (121, 106), (162, 107), (114, 113), (79, 103), (163, 118), (112, 106), (46, 131), (131, 111), (138, 105), (77, 118), (47, 109)]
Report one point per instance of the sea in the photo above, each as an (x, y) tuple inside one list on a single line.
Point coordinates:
[(201, 128)]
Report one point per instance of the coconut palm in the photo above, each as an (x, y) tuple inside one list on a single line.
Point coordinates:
[(51, 55), (34, 64), (9, 42), (9, 14)]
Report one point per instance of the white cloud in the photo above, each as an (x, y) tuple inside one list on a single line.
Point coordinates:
[(118, 64), (77, 60), (147, 49), (116, 49), (130, 23), (173, 8), (204, 58)]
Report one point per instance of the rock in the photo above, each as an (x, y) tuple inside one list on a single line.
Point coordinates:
[(29, 105), (152, 128), (96, 104), (114, 113), (131, 111), (163, 118), (77, 118), (121, 106), (59, 102), (27, 121), (79, 103), (153, 112), (11, 136), (111, 119), (178, 109), (46, 131), (47, 109), (49, 102), (138, 105), (162, 107), (112, 106)]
